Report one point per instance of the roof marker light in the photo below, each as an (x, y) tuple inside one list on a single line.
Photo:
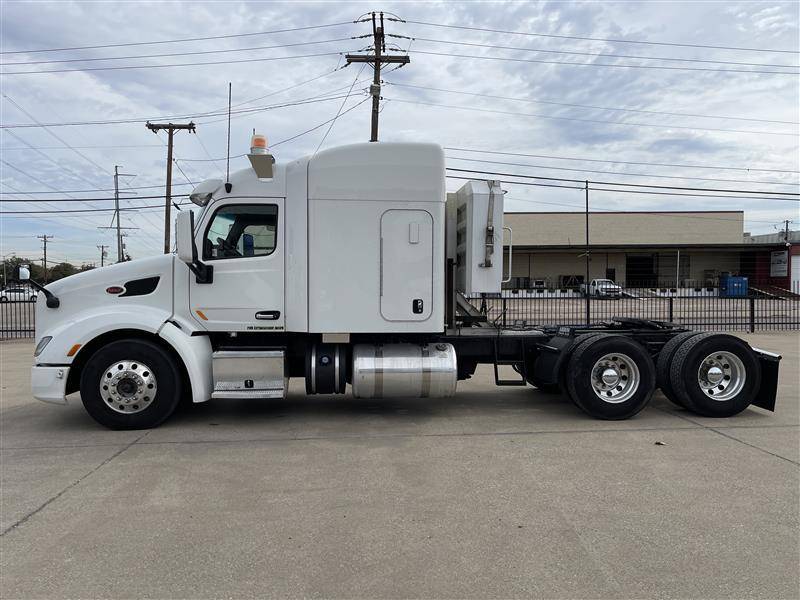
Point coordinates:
[(258, 144)]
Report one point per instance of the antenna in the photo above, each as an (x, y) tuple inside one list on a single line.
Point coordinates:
[(228, 185)]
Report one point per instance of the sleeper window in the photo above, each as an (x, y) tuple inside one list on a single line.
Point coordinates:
[(242, 230)]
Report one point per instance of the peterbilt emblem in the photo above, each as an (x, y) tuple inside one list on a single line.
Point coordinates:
[(115, 289)]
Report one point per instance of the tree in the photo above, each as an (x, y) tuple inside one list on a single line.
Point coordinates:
[(61, 270)]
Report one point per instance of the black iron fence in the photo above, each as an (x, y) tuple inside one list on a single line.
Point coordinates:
[(17, 319), (514, 308), (569, 307)]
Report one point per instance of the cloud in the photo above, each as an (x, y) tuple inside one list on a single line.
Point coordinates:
[(619, 135)]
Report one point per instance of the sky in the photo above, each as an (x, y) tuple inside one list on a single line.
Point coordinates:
[(662, 113)]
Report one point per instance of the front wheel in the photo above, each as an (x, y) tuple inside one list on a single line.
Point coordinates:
[(32, 299), (715, 375), (610, 377), (130, 384)]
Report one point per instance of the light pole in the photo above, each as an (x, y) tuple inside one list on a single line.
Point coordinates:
[(5, 256)]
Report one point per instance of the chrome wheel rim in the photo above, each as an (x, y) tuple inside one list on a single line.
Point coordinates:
[(615, 378), (128, 386), (721, 376)]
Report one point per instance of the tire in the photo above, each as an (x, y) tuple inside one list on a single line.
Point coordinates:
[(613, 399), (545, 388), (3, 299), (665, 361), (146, 388), (561, 386), (32, 299), (694, 382)]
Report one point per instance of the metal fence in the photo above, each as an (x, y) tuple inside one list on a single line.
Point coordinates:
[(17, 319), (526, 308)]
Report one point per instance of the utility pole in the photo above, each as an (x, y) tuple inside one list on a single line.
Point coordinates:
[(786, 223), (118, 227), (378, 58), (588, 260), (116, 212), (44, 239), (103, 253), (171, 128)]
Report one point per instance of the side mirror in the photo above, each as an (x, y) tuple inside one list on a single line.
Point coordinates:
[(184, 237), (22, 273), (187, 250)]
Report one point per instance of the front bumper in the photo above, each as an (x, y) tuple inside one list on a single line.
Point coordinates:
[(49, 384)]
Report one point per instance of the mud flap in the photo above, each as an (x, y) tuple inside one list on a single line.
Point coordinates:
[(551, 358), (767, 393)]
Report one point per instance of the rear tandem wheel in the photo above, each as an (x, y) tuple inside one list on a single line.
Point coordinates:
[(715, 374), (610, 377)]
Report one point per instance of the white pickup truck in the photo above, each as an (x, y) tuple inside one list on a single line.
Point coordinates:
[(602, 288)]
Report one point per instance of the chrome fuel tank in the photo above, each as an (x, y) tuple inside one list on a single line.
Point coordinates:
[(404, 370)]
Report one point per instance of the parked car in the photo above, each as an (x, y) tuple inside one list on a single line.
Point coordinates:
[(602, 288), (17, 294)]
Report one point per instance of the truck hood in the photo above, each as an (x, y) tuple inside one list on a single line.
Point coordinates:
[(114, 275), (142, 282)]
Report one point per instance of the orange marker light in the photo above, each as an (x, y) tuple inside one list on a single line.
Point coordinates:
[(201, 315), (258, 144), (74, 350)]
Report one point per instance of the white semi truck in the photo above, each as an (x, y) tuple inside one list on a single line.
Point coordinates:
[(350, 267)]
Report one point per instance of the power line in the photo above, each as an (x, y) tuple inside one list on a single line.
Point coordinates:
[(590, 106), (179, 40), (339, 112), (296, 85), (637, 212), (622, 162), (283, 141), (581, 188), (595, 64), (644, 185), (577, 170), (582, 120), (104, 147), (194, 53), (170, 65), (139, 187), (287, 104), (601, 54), (110, 199), (595, 39), (621, 191), (86, 210)]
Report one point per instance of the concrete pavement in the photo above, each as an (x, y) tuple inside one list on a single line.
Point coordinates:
[(493, 493)]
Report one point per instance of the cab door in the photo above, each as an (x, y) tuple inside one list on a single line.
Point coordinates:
[(243, 240)]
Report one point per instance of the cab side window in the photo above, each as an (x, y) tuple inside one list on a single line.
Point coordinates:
[(242, 230)]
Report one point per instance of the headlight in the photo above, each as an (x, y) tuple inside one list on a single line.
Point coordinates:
[(42, 345)]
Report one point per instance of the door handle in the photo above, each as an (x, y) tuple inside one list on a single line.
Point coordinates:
[(268, 315)]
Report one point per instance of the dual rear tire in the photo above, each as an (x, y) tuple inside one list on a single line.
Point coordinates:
[(610, 377), (711, 374), (613, 377)]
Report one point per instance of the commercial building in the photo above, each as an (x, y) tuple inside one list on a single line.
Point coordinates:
[(687, 249)]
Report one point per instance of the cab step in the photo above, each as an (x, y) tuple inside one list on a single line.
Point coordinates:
[(249, 374)]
